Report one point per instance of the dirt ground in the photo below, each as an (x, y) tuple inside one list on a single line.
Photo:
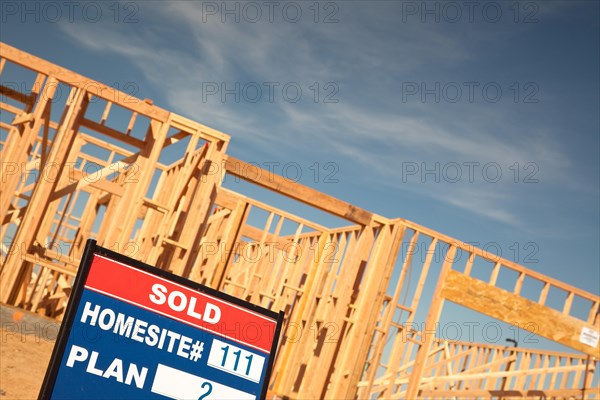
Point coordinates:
[(26, 345)]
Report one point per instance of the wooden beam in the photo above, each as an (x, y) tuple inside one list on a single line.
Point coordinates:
[(505, 306), (113, 133), (16, 95), (433, 316), (503, 394), (475, 251), (228, 198), (98, 89), (298, 192), (205, 132)]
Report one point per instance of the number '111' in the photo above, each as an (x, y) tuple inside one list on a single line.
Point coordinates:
[(237, 355)]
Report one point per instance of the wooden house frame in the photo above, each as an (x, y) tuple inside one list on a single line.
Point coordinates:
[(71, 171)]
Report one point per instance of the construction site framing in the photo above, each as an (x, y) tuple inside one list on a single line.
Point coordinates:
[(80, 159)]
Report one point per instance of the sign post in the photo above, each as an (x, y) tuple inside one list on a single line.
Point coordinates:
[(132, 331)]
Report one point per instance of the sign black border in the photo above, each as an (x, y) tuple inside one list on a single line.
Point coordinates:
[(91, 249)]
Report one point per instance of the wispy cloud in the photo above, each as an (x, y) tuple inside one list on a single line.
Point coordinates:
[(369, 125)]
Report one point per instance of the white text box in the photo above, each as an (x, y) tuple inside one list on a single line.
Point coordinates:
[(236, 361), (181, 385)]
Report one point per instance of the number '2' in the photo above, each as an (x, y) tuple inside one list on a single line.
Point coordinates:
[(208, 387)]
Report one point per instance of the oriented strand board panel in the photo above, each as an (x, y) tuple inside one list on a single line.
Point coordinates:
[(507, 307)]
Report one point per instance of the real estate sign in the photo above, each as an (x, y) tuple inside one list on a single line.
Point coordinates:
[(132, 331)]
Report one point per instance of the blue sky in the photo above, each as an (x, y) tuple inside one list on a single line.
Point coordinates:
[(500, 98)]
